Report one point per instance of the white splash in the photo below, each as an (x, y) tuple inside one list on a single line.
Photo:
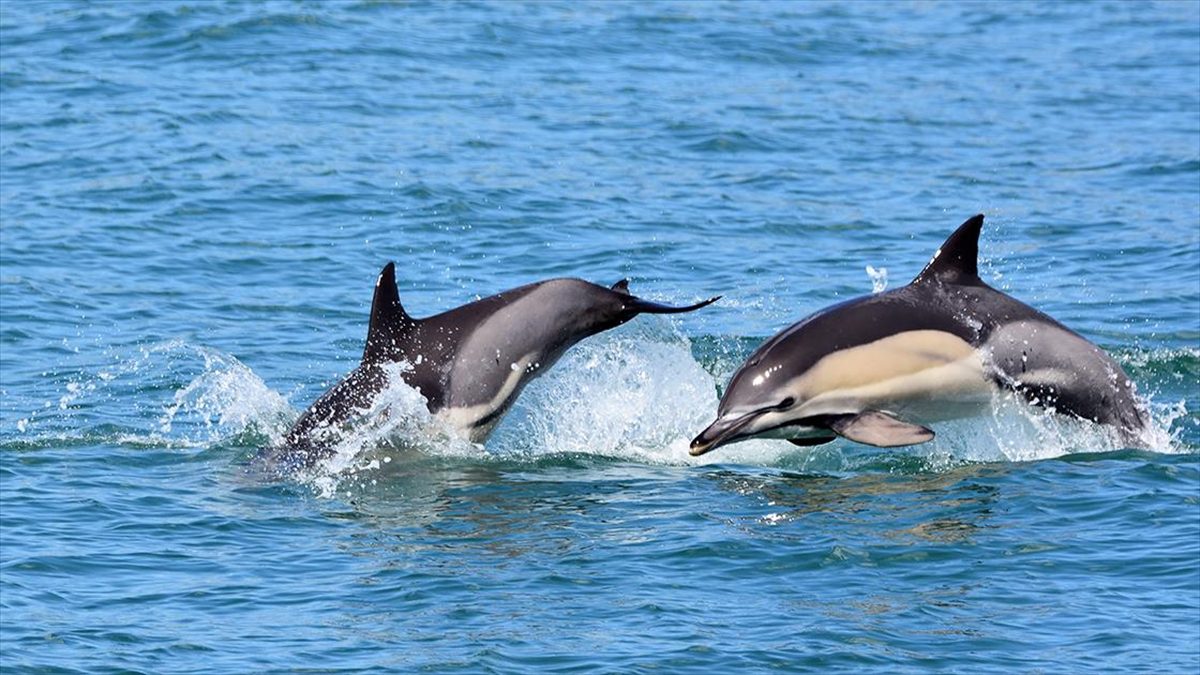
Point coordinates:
[(1016, 431), (225, 400), (635, 394), (397, 420), (879, 279)]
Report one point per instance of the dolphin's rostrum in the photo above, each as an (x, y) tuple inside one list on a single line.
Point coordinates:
[(877, 369), (471, 362)]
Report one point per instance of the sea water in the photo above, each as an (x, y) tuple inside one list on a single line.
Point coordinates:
[(196, 198)]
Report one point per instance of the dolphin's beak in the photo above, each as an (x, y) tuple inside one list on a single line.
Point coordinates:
[(724, 430)]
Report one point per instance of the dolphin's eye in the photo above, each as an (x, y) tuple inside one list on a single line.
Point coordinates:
[(787, 402)]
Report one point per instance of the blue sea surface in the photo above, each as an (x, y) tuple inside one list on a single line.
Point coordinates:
[(195, 201)]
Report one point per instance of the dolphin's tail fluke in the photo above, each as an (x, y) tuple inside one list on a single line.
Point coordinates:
[(639, 306)]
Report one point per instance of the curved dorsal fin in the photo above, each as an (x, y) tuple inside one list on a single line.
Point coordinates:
[(388, 318), (957, 261)]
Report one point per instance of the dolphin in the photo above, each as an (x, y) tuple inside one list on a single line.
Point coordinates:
[(470, 363), (876, 369)]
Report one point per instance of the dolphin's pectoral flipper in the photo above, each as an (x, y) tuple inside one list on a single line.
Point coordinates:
[(389, 321), (872, 427), (621, 287), (807, 442)]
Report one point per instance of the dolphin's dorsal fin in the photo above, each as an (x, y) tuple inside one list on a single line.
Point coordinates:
[(957, 261), (621, 287), (389, 321)]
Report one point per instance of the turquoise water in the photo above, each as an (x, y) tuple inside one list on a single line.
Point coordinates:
[(195, 200)]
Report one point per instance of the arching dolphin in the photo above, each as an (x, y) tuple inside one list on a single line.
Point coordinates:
[(874, 369), (470, 363)]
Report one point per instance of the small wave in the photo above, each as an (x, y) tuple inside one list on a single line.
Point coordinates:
[(731, 142), (625, 395), (1185, 167), (1178, 363)]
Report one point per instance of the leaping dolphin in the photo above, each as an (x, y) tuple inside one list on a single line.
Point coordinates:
[(876, 369), (471, 362)]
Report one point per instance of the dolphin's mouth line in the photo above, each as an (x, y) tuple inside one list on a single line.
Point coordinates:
[(699, 447), (724, 435)]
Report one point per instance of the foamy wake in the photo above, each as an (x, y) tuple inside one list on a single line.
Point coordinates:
[(635, 394)]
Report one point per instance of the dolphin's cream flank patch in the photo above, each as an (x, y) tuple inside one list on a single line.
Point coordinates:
[(884, 359), (933, 394), (914, 366)]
